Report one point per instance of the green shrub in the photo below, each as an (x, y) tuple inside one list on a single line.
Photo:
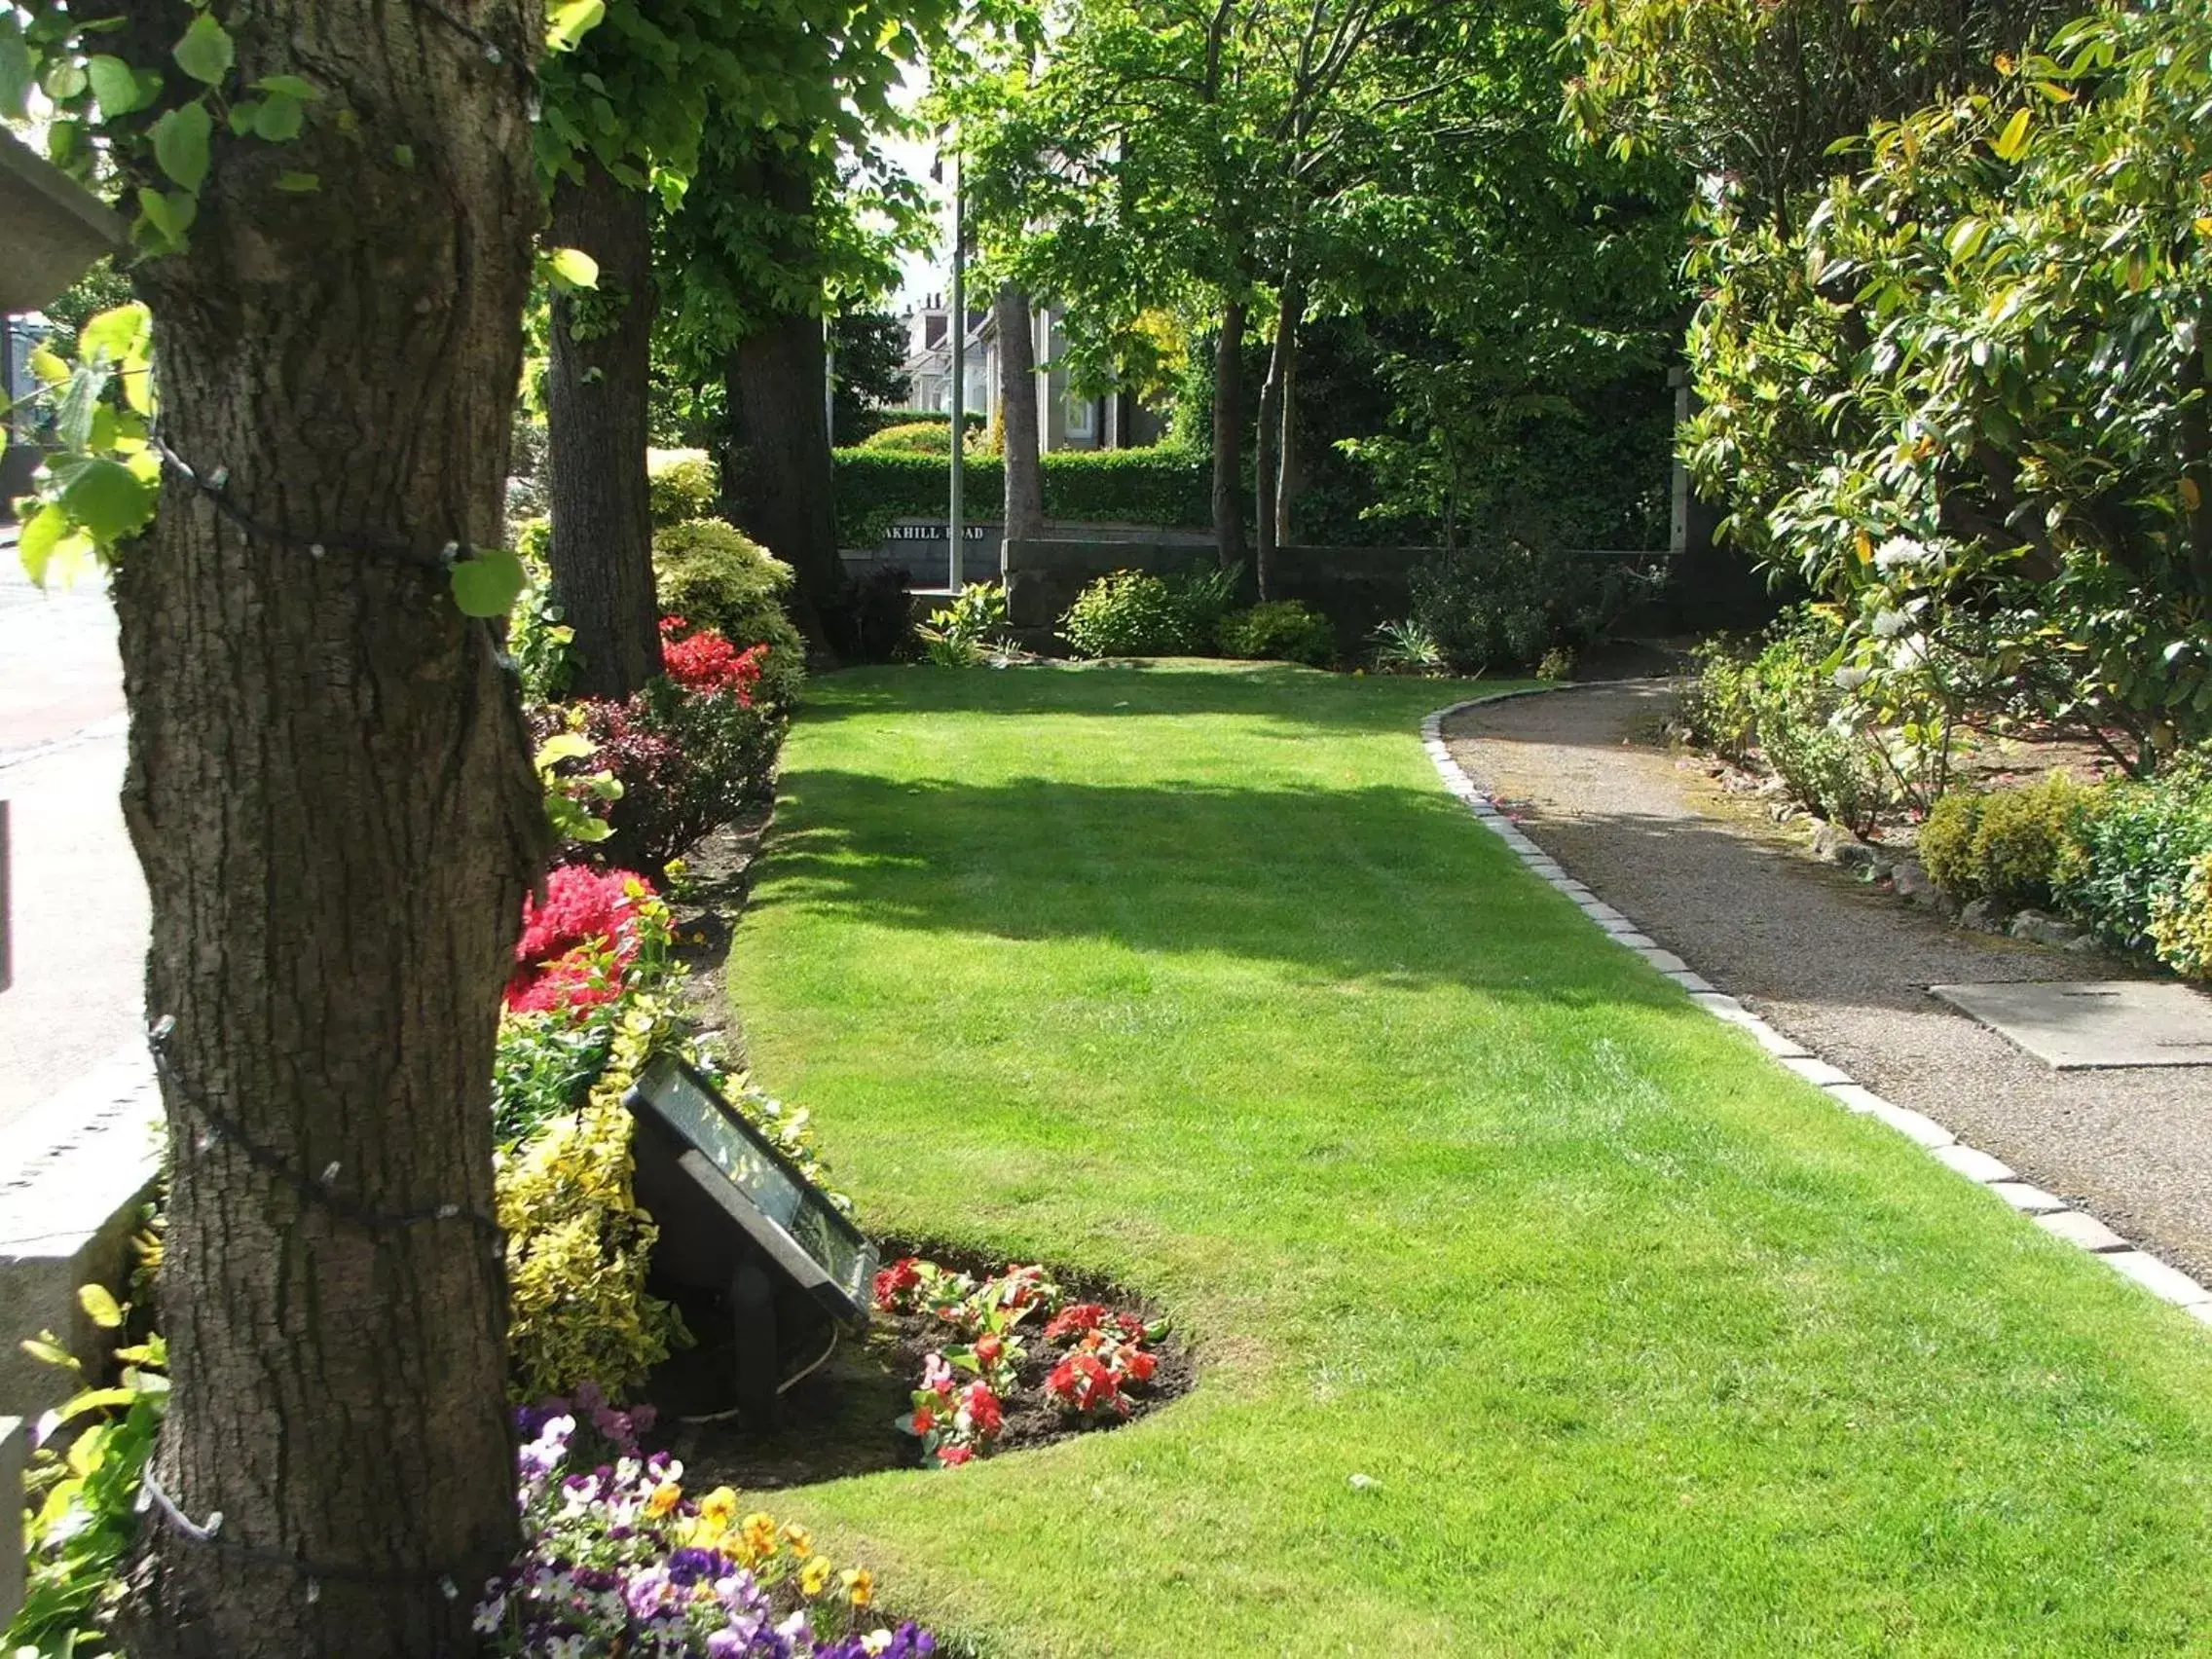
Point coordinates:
[(2011, 845), (2139, 851), (1407, 647), (914, 438), (1507, 600), (1281, 631), (2181, 928), (1716, 706), (681, 484), (1165, 487), (713, 574), (858, 427), (1827, 763), (1946, 844), (1136, 613), (955, 635)]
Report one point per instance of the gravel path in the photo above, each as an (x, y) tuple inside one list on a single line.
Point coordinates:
[(1842, 968)]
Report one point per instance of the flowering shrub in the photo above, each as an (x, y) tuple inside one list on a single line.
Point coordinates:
[(702, 660), (577, 947), (688, 762), (618, 1560), (1105, 1353)]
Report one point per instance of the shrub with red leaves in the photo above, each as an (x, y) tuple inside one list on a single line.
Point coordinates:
[(576, 947), (704, 661)]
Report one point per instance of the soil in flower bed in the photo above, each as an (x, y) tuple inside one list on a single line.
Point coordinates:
[(842, 1420)]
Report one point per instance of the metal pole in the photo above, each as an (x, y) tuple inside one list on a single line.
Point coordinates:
[(953, 527), (828, 381)]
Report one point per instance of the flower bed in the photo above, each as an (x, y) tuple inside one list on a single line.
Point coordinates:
[(1013, 1359), (619, 1559)]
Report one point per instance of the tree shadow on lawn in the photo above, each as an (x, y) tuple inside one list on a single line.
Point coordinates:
[(1383, 883), (1164, 685)]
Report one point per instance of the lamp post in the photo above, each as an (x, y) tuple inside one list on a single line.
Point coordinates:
[(954, 530)]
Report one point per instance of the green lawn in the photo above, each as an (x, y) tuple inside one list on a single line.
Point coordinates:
[(1195, 975)]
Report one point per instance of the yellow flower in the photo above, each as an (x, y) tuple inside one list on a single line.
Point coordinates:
[(718, 1506), (814, 1576), (665, 1496), (799, 1538), (860, 1585), (757, 1537)]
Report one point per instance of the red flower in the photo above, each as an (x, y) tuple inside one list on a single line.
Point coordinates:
[(951, 1457), (587, 916), (893, 1281), (983, 1410), (707, 662), (1077, 1318), (925, 1419), (988, 1350), (1140, 1366), (1132, 1327)]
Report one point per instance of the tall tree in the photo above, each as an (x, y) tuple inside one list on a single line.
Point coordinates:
[(329, 789), (620, 132), (1018, 413)]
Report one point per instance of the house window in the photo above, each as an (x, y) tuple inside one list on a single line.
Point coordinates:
[(1082, 418)]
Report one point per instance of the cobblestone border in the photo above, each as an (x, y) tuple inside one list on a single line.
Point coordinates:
[(2050, 1212)]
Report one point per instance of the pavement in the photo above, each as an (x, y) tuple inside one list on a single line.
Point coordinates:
[(77, 902), (1841, 967)]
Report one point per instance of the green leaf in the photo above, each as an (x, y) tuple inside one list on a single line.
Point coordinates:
[(205, 52), (121, 334), (242, 117), (15, 68), (279, 118), (299, 183), (180, 144), (564, 746), (47, 365), (115, 87), (171, 215), (573, 268), (488, 584), (2015, 138), (99, 1307), (403, 157), (109, 500), (289, 87), (571, 21), (37, 542)]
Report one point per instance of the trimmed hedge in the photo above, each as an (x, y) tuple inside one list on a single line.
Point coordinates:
[(858, 428), (1170, 488)]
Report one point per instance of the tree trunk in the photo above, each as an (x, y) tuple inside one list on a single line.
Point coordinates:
[(1268, 443), (330, 791), (776, 477), (1288, 481), (1017, 407), (1228, 436), (597, 392)]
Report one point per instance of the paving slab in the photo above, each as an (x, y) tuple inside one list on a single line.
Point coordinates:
[(2085, 1025), (2087, 1230)]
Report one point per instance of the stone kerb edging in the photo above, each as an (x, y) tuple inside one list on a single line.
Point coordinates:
[(2050, 1212)]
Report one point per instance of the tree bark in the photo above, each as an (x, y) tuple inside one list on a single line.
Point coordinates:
[(776, 477), (1288, 481), (330, 791), (1229, 437), (1017, 407), (1268, 441), (597, 387)]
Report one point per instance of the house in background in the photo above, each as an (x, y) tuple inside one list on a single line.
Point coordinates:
[(1063, 421)]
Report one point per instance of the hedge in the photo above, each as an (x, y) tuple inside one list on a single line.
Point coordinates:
[(853, 429), (1169, 488)]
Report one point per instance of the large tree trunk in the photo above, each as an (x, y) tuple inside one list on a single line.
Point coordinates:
[(1268, 447), (1017, 411), (1228, 436), (331, 793), (597, 392), (776, 482), (1288, 480)]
